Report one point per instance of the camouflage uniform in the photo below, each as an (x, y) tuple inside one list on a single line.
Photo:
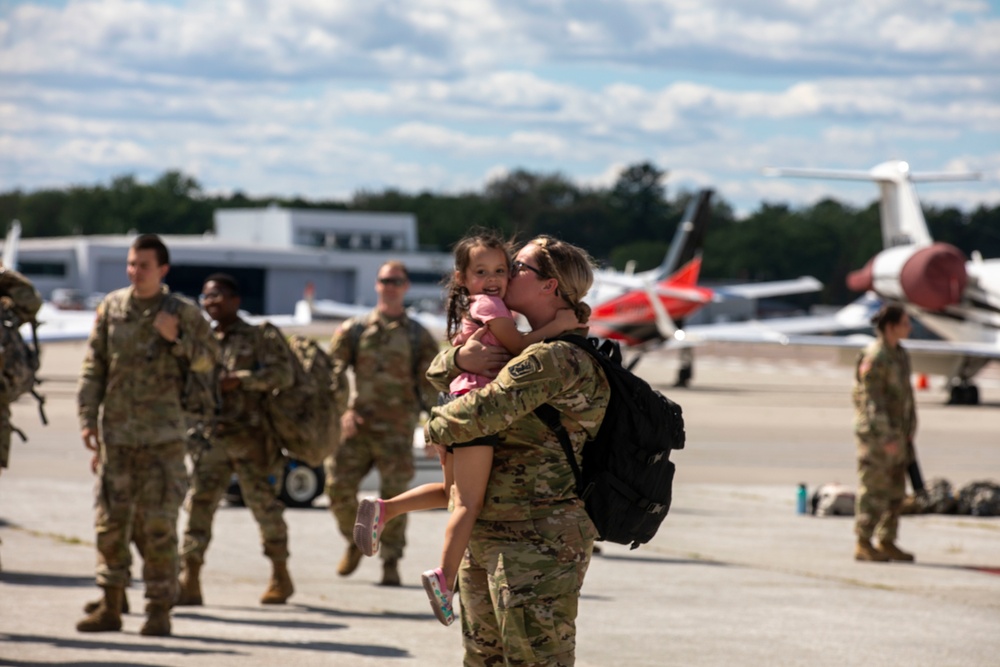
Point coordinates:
[(884, 413), (25, 302), (240, 442), (386, 400), (530, 548), (132, 377)]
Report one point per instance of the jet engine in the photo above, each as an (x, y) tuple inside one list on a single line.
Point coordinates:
[(931, 277)]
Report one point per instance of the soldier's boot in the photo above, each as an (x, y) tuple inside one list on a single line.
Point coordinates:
[(107, 617), (892, 552), (349, 563), (189, 585), (94, 604), (390, 572), (157, 619), (280, 588), (866, 552)]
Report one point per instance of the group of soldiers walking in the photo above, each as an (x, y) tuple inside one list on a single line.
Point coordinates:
[(135, 384)]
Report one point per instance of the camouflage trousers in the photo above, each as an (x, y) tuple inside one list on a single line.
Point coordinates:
[(255, 469), (520, 587), (151, 480), (881, 491), (389, 448)]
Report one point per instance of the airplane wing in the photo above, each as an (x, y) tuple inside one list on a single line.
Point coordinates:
[(768, 289), (55, 325), (852, 317), (302, 316), (328, 309)]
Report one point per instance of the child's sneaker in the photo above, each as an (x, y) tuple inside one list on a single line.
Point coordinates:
[(439, 595), (368, 525)]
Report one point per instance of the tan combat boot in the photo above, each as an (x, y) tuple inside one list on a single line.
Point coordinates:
[(349, 563), (280, 588), (157, 619), (107, 617), (892, 552), (390, 572), (866, 552), (189, 585), (91, 606)]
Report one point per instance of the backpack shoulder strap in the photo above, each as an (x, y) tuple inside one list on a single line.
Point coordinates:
[(414, 329), (550, 417), (354, 333)]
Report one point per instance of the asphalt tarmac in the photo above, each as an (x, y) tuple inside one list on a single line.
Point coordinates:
[(735, 576)]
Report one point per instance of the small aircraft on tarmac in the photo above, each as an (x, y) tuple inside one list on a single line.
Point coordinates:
[(648, 309), (954, 297)]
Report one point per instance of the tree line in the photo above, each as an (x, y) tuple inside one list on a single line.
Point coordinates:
[(634, 219)]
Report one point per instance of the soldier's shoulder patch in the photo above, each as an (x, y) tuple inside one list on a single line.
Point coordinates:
[(865, 367), (525, 367)]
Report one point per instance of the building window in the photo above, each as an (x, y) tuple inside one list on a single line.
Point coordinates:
[(42, 268)]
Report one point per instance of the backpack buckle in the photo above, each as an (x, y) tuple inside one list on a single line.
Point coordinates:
[(657, 508)]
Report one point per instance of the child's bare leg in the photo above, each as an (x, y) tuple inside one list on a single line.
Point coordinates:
[(471, 469), (431, 496), (424, 497)]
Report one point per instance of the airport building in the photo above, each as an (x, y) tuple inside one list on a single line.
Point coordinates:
[(275, 253)]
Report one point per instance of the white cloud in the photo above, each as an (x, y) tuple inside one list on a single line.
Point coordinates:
[(328, 96)]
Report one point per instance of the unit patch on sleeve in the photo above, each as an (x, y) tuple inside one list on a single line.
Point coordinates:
[(523, 369)]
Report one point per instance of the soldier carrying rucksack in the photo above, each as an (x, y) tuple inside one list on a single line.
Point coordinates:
[(19, 303), (255, 363)]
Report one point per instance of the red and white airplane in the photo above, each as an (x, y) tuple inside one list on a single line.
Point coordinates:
[(649, 309)]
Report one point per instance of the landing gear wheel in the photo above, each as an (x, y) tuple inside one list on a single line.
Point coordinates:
[(301, 484), (964, 394)]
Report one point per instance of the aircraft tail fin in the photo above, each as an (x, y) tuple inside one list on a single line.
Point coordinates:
[(690, 235), (10, 245), (687, 276), (902, 217)]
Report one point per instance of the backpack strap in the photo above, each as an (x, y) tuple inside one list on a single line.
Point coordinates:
[(550, 417), (37, 364), (414, 330), (357, 328)]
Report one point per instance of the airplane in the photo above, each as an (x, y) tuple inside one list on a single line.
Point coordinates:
[(956, 298), (648, 309)]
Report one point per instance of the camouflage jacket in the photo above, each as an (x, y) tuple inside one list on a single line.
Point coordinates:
[(530, 475), (25, 299), (259, 358), (133, 376), (383, 367), (884, 409)]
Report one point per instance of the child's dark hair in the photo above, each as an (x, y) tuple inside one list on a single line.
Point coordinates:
[(457, 299)]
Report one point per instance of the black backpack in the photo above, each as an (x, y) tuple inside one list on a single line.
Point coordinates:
[(627, 475)]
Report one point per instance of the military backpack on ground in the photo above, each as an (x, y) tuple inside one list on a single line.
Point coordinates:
[(627, 476), (300, 415), (19, 362)]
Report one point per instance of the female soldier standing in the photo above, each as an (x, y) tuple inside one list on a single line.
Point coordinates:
[(529, 551), (885, 420)]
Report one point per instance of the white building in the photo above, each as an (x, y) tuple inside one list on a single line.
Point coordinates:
[(275, 254)]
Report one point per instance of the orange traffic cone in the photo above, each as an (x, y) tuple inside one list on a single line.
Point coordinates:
[(922, 381)]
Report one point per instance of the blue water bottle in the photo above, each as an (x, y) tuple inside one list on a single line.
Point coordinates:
[(801, 505)]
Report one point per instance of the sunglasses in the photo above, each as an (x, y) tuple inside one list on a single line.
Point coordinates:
[(395, 282), (521, 267)]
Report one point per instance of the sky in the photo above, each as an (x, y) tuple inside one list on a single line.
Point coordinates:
[(325, 98)]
